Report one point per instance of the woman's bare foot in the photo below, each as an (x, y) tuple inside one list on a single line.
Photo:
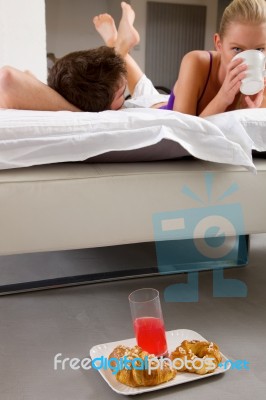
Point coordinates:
[(127, 36), (105, 26)]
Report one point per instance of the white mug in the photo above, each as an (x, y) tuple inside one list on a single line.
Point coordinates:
[(254, 80)]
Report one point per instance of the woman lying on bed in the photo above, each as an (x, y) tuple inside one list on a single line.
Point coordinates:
[(208, 82)]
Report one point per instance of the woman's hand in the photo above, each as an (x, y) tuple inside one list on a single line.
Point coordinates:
[(235, 72), (254, 101)]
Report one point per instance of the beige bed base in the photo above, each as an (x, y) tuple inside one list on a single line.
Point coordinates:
[(82, 205)]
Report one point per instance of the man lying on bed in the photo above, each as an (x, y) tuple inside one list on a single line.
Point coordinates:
[(98, 84), (91, 80)]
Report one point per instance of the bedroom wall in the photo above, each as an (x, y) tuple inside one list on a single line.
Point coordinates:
[(140, 8), (23, 35), (25, 40), (69, 26)]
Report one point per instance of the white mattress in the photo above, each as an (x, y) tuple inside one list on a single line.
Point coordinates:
[(70, 206)]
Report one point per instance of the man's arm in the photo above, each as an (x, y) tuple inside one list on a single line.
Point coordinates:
[(22, 91)]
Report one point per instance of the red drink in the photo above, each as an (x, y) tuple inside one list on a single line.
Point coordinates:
[(150, 335)]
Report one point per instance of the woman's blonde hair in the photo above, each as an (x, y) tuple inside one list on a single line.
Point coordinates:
[(244, 11)]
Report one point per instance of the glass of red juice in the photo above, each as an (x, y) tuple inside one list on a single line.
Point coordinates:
[(148, 321)]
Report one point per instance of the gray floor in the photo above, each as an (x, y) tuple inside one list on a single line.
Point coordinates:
[(36, 326)]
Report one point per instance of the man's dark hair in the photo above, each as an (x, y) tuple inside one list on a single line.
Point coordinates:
[(88, 79)]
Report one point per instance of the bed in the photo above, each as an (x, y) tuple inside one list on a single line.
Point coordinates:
[(81, 180)]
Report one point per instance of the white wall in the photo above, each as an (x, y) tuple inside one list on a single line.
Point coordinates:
[(23, 35), (140, 8)]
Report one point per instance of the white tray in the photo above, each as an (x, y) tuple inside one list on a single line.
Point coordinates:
[(174, 338)]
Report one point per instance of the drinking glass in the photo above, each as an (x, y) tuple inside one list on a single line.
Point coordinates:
[(148, 321)]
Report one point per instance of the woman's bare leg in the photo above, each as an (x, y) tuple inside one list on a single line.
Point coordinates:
[(105, 26), (123, 40), (127, 35), (127, 38)]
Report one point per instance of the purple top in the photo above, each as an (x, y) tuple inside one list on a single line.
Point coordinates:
[(171, 100), (170, 104)]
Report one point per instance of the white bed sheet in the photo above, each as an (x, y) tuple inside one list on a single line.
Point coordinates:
[(37, 137)]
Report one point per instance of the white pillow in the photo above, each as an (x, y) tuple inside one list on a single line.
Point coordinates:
[(251, 122), (40, 137)]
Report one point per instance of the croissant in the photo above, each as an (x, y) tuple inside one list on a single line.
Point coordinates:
[(200, 357), (135, 377)]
